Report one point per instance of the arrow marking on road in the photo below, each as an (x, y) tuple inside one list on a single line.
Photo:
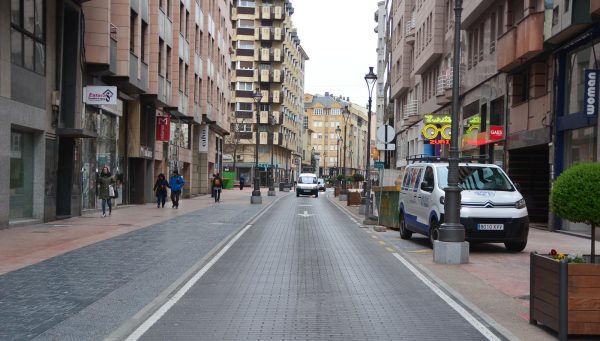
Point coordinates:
[(304, 205), (305, 214)]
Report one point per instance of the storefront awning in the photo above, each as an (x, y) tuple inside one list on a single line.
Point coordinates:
[(76, 133)]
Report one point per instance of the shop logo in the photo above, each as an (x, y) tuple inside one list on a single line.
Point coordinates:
[(100, 95), (590, 100)]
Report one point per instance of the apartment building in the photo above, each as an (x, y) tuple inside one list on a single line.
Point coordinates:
[(522, 69), (40, 102), (267, 58), (339, 134), (170, 61)]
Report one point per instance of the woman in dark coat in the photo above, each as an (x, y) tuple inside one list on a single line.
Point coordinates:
[(105, 181), (160, 189)]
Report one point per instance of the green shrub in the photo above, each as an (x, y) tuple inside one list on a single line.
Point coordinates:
[(576, 196), (340, 177), (358, 177)]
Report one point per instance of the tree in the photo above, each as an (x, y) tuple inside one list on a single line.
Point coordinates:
[(575, 197)]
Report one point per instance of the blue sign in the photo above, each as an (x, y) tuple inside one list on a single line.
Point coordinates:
[(590, 92)]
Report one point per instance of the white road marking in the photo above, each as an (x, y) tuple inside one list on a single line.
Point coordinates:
[(452, 303), (144, 327), (305, 214)]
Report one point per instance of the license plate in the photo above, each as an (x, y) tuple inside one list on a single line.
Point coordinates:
[(490, 227)]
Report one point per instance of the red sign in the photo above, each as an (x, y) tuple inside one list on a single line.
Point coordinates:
[(496, 132), (437, 142), (163, 128)]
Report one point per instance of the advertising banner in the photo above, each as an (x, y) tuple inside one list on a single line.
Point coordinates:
[(590, 92), (203, 145), (163, 128), (100, 95)]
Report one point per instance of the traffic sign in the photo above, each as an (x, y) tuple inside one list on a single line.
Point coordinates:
[(385, 133), (385, 146), (379, 164)]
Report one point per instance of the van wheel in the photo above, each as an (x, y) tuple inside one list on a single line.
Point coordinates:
[(434, 231), (515, 246), (404, 232)]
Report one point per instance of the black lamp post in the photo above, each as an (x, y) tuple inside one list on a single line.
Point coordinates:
[(271, 192), (287, 157), (346, 114), (370, 78), (339, 141), (256, 198), (450, 246)]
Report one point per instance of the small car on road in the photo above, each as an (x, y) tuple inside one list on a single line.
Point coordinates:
[(321, 182), (307, 185)]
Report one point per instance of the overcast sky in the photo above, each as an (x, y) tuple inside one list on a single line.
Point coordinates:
[(339, 38)]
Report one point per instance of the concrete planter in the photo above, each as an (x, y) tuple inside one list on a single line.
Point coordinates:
[(565, 297)]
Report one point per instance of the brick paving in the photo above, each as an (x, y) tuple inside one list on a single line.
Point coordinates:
[(317, 276), (89, 291)]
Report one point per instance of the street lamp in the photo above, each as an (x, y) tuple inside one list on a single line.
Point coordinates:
[(370, 78), (450, 246), (346, 114), (256, 198), (271, 173), (339, 141), (287, 157)]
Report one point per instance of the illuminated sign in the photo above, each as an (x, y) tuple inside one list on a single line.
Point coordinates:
[(590, 92), (437, 119), (496, 132), (431, 131)]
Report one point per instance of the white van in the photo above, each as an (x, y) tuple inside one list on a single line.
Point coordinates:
[(307, 184), (492, 209), (321, 182)]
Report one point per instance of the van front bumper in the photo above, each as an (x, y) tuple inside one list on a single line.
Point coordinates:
[(514, 229)]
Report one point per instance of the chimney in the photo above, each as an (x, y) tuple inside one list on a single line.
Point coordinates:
[(326, 93)]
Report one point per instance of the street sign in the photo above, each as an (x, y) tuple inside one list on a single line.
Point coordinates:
[(385, 146), (379, 164), (385, 133)]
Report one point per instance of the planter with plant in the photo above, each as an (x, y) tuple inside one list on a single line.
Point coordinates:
[(565, 289)]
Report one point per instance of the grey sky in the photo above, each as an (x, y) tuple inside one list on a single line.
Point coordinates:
[(339, 38)]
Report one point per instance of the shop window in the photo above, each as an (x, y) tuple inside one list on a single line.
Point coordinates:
[(21, 175), (576, 63)]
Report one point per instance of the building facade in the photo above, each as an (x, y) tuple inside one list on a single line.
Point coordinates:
[(267, 58), (522, 66), (338, 134)]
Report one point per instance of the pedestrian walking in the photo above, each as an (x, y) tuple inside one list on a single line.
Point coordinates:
[(105, 188), (160, 189), (212, 189), (242, 182), (217, 185), (176, 183)]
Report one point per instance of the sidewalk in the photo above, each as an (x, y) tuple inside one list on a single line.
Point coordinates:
[(26, 245), (494, 282)]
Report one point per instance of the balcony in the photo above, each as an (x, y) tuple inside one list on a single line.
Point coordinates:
[(272, 13), (164, 90), (473, 10), (270, 33), (411, 111), (566, 24), (440, 93), (521, 43), (410, 30)]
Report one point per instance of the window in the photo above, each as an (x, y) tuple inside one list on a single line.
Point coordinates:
[(245, 45), (245, 65), (318, 111), (197, 43), (185, 79), (181, 71), (161, 46), (493, 33), (144, 40), (481, 31), (244, 127), (500, 21), (243, 107), (243, 86), (132, 23), (244, 23), (168, 63), (245, 3), (27, 35), (305, 122)]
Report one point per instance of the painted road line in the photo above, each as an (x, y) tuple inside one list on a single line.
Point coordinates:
[(421, 251), (374, 237), (144, 327), (381, 242), (488, 334), (390, 249)]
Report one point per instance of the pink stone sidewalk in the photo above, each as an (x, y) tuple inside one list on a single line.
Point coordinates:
[(25, 245)]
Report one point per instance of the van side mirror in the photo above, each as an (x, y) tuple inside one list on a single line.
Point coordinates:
[(425, 186)]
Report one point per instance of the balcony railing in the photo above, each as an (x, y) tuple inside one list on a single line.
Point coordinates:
[(410, 27), (521, 43), (411, 109)]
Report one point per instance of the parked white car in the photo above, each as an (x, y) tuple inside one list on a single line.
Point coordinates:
[(492, 209)]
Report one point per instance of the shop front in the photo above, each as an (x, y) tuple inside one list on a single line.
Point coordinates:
[(577, 111)]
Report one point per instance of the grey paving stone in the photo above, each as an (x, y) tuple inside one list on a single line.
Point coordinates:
[(87, 293), (309, 278)]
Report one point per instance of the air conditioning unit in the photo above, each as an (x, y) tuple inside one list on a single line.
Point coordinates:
[(239, 157)]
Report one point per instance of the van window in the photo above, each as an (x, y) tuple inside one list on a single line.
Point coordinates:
[(415, 180), (307, 180), (428, 176), (477, 178)]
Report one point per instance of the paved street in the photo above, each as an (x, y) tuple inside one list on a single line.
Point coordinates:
[(305, 271), (292, 268)]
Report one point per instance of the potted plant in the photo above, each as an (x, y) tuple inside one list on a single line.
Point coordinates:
[(565, 289)]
